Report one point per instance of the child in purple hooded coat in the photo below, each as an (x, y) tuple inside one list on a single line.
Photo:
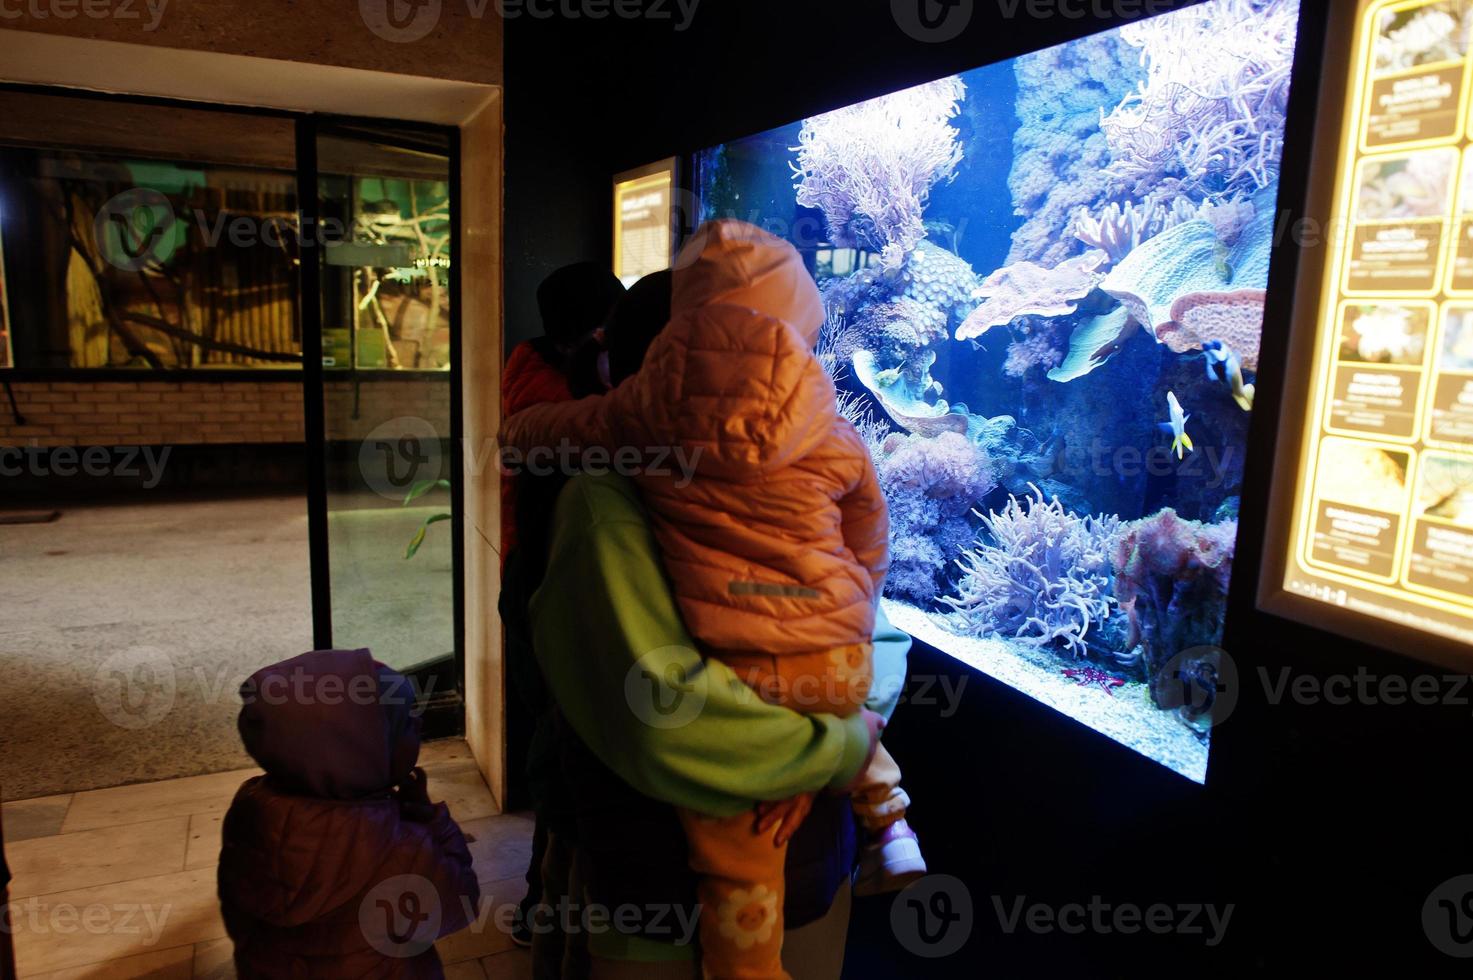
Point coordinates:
[(335, 863)]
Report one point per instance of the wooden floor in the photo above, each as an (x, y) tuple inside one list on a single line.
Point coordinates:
[(120, 883)]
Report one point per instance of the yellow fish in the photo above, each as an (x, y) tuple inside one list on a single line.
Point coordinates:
[(1181, 443)]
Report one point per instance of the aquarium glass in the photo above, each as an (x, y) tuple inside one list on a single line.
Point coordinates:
[(1045, 285)]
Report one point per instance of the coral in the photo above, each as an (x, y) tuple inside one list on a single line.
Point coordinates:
[(1235, 318), (942, 281), (1436, 32), (1042, 578), (870, 167), (1121, 228), (901, 390), (930, 484), (900, 323), (1059, 153), (1209, 117), (1413, 186), (1028, 289), (1038, 348), (1171, 578), (872, 431), (1363, 476), (1093, 343), (1190, 258), (1385, 334)]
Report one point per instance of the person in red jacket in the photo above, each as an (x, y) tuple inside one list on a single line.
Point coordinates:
[(335, 863), (574, 303)]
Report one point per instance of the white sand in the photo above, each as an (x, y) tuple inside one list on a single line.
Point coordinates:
[(1129, 716)]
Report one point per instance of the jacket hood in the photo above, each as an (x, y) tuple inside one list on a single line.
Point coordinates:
[(332, 724), (732, 263), (737, 377)]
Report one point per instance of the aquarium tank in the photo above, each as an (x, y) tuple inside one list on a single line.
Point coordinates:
[(1045, 284)]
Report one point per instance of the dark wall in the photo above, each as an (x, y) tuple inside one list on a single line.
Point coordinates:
[(1326, 827)]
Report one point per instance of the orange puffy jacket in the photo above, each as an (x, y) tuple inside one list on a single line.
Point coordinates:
[(776, 540)]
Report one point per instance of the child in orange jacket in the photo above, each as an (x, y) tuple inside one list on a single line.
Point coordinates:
[(774, 532)]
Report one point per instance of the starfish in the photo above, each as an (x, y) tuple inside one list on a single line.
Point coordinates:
[(1090, 676)]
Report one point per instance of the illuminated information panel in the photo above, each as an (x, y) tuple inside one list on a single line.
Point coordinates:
[(1385, 514), (642, 222)]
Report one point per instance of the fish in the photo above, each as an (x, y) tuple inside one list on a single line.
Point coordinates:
[(1223, 365), (1181, 443), (1224, 267), (888, 378)]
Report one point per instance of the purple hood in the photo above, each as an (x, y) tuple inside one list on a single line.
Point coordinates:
[(333, 724)]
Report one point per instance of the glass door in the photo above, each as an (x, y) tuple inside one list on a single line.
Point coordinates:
[(383, 389)]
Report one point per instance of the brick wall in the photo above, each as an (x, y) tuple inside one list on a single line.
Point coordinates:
[(175, 413)]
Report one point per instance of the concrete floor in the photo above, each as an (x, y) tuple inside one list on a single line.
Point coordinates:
[(128, 628)]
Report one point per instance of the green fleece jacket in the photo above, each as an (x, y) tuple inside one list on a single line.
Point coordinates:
[(627, 677)]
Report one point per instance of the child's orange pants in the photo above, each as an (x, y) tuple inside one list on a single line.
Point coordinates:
[(741, 884)]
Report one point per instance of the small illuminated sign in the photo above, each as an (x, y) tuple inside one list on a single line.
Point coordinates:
[(643, 233)]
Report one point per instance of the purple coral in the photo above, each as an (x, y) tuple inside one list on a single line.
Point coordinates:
[(930, 484), (1209, 118), (870, 167), (1171, 578), (1039, 348), (1042, 578)]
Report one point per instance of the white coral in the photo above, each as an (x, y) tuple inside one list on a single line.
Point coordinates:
[(1044, 576), (1438, 32), (870, 167), (1210, 114)]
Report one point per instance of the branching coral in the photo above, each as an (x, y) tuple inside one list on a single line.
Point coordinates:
[(930, 485), (1209, 118), (1171, 578), (856, 410), (1042, 578), (870, 167)]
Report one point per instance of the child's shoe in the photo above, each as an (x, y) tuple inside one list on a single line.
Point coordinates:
[(890, 861)]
